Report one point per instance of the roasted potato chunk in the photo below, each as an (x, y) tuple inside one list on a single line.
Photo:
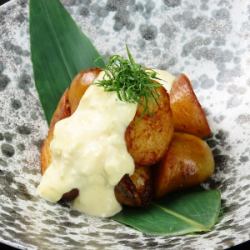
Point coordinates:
[(79, 85), (188, 114), (135, 190), (149, 135), (188, 162), (62, 111)]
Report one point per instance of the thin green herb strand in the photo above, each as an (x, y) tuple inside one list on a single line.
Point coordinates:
[(132, 82)]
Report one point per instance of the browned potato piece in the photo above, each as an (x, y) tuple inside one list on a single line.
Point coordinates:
[(66, 106), (148, 136), (135, 190), (188, 162), (188, 114), (79, 85), (62, 111)]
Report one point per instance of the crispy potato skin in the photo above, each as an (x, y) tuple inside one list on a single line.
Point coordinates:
[(188, 162), (148, 136), (188, 115)]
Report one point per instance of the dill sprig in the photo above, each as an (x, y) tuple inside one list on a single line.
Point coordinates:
[(132, 82)]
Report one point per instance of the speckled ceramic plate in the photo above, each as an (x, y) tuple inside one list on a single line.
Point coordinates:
[(208, 40)]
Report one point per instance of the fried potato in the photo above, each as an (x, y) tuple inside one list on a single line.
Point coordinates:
[(62, 111), (188, 114), (66, 106), (147, 138), (79, 85), (188, 162), (135, 190)]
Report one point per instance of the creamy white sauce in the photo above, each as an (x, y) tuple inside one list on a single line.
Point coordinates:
[(89, 153), (167, 79)]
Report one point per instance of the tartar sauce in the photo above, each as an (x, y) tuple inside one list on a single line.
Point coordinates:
[(166, 79), (89, 153)]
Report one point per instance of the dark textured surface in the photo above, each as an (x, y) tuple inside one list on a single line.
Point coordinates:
[(205, 39), (3, 1)]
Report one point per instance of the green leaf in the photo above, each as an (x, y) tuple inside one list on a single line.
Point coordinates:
[(181, 213), (59, 51)]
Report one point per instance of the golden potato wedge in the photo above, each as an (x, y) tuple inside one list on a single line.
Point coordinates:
[(135, 190), (79, 85), (148, 136), (188, 114), (188, 162)]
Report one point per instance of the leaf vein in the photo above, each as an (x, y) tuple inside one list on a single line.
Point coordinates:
[(182, 217), (57, 41)]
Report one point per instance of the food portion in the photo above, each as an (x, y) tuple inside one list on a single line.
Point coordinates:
[(89, 153), (62, 111), (148, 135), (188, 162), (135, 190), (79, 85), (189, 117), (111, 140)]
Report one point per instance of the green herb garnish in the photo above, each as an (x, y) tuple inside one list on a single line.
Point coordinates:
[(132, 82)]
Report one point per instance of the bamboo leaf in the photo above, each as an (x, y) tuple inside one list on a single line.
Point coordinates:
[(59, 51), (182, 213)]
